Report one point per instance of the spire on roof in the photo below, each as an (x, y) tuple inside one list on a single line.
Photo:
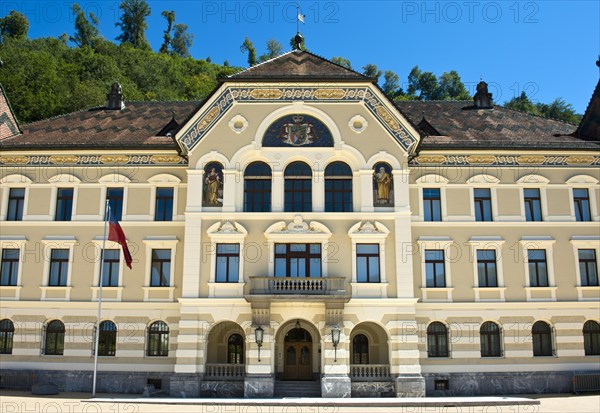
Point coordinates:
[(115, 99), (483, 99)]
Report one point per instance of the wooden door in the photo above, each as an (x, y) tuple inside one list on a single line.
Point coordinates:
[(298, 361)]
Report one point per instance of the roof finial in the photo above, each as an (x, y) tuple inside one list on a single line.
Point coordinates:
[(115, 99), (298, 39)]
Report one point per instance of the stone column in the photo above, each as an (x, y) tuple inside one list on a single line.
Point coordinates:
[(277, 191), (194, 190), (229, 178), (366, 190), (318, 191)]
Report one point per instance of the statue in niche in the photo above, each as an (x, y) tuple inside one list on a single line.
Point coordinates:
[(383, 185), (213, 185)]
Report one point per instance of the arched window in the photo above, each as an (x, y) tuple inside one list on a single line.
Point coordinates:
[(542, 339), (437, 340), (107, 342), (257, 187), (7, 331), (55, 338), (235, 349), (591, 338), (212, 188), (338, 187), (158, 339), (490, 340), (360, 349), (298, 188)]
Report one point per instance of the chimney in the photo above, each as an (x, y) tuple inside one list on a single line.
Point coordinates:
[(115, 100), (483, 99)]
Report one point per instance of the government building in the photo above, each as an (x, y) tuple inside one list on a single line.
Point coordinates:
[(298, 233)]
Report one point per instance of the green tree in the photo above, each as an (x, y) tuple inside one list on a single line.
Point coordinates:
[(182, 40), (372, 72), (452, 87), (15, 26), (248, 47), (86, 31), (133, 23), (523, 104), (391, 83), (342, 62), (560, 110), (170, 17), (274, 49)]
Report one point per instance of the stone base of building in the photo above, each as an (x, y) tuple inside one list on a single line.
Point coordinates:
[(259, 386), (185, 385), (336, 386), (373, 389), (491, 384), (410, 385)]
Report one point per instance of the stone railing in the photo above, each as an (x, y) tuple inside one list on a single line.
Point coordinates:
[(298, 286), (370, 372), (225, 371)]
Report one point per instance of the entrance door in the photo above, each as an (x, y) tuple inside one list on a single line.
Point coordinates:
[(298, 355)]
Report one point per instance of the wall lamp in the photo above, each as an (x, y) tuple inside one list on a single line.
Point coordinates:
[(258, 336), (335, 339)]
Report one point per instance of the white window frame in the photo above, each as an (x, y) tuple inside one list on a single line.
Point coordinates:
[(484, 181), (13, 242), (118, 290), (164, 181), (585, 243), (539, 243), (113, 181), (369, 232), (496, 244), (161, 242), (15, 181), (433, 181), (534, 181), (49, 244), (226, 232), (436, 243), (591, 184), (64, 181)]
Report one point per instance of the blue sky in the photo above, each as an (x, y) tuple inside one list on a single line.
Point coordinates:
[(547, 48)]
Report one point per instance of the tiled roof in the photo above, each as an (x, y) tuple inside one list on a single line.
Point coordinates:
[(298, 65), (459, 125), (135, 127), (8, 123), (589, 128)]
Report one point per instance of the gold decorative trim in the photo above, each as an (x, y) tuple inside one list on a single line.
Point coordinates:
[(388, 119), (530, 160), (210, 116), (330, 94), (580, 160), (481, 159), (430, 159), (114, 159), (266, 93), (64, 159), (165, 159), (14, 159)]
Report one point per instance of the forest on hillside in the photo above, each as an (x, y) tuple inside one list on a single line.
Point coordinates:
[(50, 76)]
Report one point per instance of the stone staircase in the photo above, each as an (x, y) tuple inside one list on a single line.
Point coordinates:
[(284, 388)]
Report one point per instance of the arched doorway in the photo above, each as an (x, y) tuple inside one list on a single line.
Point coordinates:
[(298, 355)]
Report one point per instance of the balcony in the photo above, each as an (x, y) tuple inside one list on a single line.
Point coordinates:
[(370, 372), (228, 372), (298, 289)]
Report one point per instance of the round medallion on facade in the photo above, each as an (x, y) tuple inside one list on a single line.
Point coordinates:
[(238, 123), (358, 124)]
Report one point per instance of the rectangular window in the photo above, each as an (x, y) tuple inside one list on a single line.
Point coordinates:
[(367, 263), (486, 268), (9, 269), (533, 204), (298, 260), (110, 268), (538, 268), (483, 204), (59, 267), (161, 268), (114, 197), (163, 210), (228, 263), (581, 201), (435, 272), (432, 205), (588, 267), (16, 203), (64, 204)]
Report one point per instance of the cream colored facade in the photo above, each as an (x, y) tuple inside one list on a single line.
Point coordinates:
[(394, 314)]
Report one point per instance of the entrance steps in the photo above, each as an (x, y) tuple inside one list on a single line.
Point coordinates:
[(292, 388)]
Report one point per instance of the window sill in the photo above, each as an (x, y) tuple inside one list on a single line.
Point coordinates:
[(369, 290), (108, 293), (489, 288), (226, 289), (158, 293), (53, 290)]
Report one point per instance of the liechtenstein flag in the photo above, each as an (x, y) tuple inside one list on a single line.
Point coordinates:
[(116, 234)]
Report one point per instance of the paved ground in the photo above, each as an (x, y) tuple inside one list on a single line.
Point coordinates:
[(20, 402)]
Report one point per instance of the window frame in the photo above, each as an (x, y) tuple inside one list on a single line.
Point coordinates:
[(228, 256), (580, 209), (158, 335), (539, 243), (436, 243), (60, 338), (226, 232), (438, 335), (304, 191), (486, 344), (529, 206), (7, 335), (162, 264), (239, 347), (265, 191), (591, 338), (361, 354), (114, 200), (13, 265), (587, 261), (20, 201), (549, 335), (480, 203), (429, 202), (435, 263), (534, 278), (164, 216), (63, 267), (330, 191), (487, 262), (367, 256), (17, 181), (60, 214), (109, 335), (290, 255), (154, 293)]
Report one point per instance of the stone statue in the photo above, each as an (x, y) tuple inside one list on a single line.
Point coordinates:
[(384, 186), (212, 183)]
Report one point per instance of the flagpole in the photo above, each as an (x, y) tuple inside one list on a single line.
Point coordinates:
[(97, 338), (297, 16)]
